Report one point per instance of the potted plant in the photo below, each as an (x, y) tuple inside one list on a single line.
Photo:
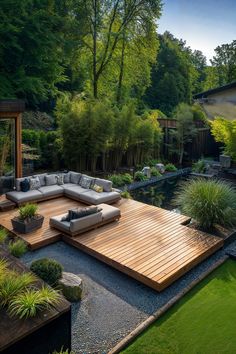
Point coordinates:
[(28, 219)]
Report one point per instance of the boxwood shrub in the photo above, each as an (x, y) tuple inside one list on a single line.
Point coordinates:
[(47, 269)]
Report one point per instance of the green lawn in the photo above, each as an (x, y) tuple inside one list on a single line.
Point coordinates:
[(202, 322)]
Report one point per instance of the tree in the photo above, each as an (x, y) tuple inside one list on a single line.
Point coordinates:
[(185, 129), (225, 62), (109, 25), (31, 60), (172, 75), (224, 131)]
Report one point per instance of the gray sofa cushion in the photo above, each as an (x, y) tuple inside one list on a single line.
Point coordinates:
[(75, 177), (109, 212), (34, 183), (41, 177), (74, 191), (107, 185), (92, 197), (49, 191), (85, 222), (51, 180), (23, 197), (55, 221)]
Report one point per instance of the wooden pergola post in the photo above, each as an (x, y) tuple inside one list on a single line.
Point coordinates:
[(12, 109)]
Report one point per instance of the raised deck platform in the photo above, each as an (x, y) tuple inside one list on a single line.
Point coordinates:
[(149, 244)]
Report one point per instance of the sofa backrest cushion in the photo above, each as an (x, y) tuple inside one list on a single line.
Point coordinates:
[(79, 213), (41, 177), (67, 177), (86, 222), (75, 177), (51, 180), (105, 184), (86, 181)]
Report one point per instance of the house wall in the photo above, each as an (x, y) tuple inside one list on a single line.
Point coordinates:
[(221, 104)]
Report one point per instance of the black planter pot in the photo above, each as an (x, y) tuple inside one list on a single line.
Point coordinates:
[(24, 227)]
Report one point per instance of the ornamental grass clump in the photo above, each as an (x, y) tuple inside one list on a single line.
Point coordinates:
[(208, 202), (3, 235), (17, 248), (28, 211), (31, 301)]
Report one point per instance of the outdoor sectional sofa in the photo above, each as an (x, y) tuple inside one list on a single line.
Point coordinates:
[(73, 185)]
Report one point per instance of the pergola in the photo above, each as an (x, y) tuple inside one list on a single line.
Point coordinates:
[(12, 110)]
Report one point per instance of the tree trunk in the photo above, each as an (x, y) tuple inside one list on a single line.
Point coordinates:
[(95, 76), (121, 75)]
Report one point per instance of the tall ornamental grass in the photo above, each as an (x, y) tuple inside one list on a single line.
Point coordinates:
[(208, 202)]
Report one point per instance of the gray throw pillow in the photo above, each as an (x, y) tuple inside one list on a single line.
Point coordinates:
[(34, 183), (87, 181), (80, 213), (51, 180), (75, 177), (41, 177), (60, 179)]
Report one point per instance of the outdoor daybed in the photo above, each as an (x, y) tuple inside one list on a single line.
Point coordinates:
[(73, 185), (106, 214)]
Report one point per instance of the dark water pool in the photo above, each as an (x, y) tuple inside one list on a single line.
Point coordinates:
[(161, 194)]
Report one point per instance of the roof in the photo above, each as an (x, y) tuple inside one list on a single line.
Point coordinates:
[(215, 90)]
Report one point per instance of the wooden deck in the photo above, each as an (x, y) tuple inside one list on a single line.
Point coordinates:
[(149, 244)]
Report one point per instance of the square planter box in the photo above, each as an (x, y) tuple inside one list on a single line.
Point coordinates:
[(25, 227)]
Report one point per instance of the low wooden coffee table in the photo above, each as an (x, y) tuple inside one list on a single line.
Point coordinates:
[(6, 205)]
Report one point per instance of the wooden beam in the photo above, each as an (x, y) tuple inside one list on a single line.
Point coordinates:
[(18, 147)]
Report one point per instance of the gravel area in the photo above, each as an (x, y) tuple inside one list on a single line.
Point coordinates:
[(113, 304)]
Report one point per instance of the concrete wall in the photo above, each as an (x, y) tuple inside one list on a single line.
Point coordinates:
[(221, 104)]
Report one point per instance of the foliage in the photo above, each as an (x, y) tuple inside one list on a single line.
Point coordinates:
[(193, 313), (12, 284), (140, 176), (177, 73), (3, 235), (125, 194), (208, 202), (127, 178), (62, 351), (199, 166), (225, 63), (224, 131), (28, 303), (170, 167), (3, 268), (28, 211), (185, 129), (36, 120), (155, 172), (47, 269), (17, 248)]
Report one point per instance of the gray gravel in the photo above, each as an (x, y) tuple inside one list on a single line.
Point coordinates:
[(113, 304)]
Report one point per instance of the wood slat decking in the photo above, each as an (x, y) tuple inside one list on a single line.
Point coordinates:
[(149, 244)]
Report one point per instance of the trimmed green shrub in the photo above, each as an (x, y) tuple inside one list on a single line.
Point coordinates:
[(3, 235), (140, 176), (125, 194), (199, 166), (127, 178), (17, 248), (208, 202), (62, 351), (155, 172), (47, 269), (170, 167), (116, 180), (28, 211)]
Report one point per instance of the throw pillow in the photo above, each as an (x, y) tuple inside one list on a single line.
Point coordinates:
[(51, 180), (75, 177), (86, 182), (34, 183), (96, 188), (41, 178), (80, 213), (25, 185), (60, 179)]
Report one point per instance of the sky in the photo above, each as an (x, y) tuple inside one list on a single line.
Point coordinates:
[(203, 24)]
